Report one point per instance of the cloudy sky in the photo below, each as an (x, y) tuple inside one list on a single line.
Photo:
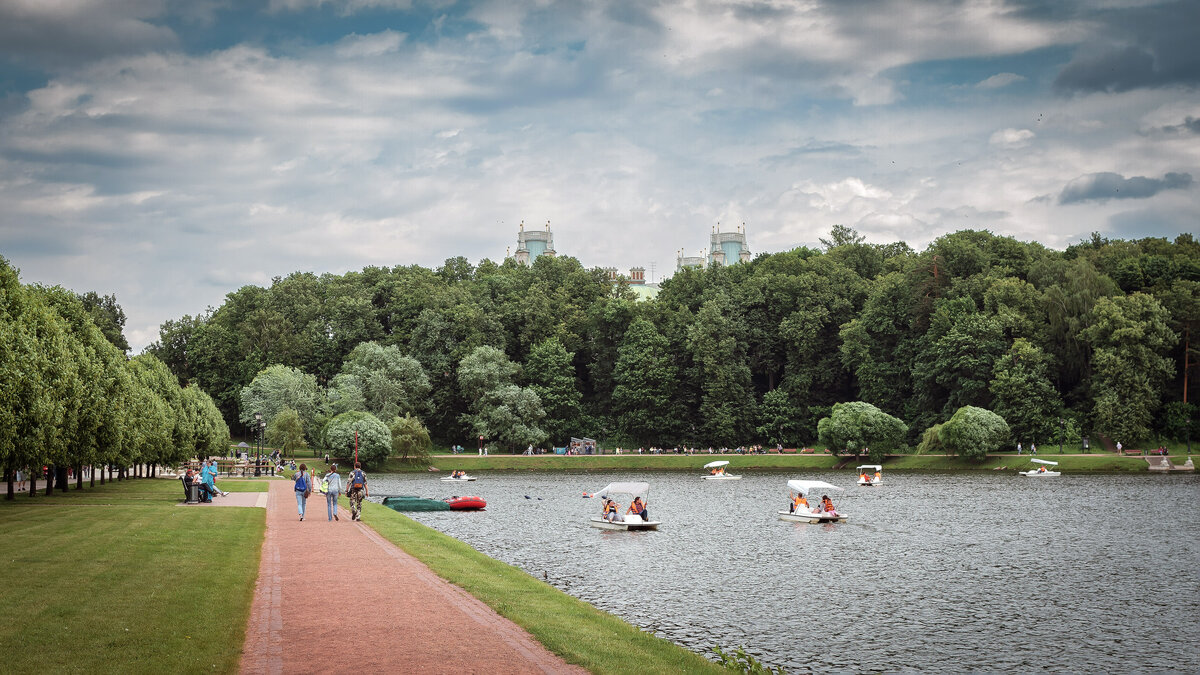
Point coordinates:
[(171, 151)]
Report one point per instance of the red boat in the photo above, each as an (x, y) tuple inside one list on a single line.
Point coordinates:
[(468, 503)]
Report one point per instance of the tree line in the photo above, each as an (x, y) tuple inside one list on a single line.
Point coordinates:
[(1092, 340), (71, 398)]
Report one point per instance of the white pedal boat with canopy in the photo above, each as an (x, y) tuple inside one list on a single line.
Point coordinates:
[(624, 521), (717, 471), (458, 477), (870, 474), (1041, 471), (814, 513)]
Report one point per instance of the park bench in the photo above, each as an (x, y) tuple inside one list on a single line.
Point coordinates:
[(1131, 451)]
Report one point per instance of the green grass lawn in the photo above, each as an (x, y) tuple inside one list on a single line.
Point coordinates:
[(119, 578), (567, 626)]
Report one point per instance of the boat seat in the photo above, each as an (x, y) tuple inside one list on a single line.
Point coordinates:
[(633, 518)]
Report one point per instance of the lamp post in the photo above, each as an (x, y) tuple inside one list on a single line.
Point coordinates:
[(481, 444), (1061, 423), (259, 424), (1188, 425)]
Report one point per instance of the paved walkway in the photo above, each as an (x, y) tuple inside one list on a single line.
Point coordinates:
[(335, 596)]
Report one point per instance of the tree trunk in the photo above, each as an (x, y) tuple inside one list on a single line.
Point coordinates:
[(102, 474), (49, 480), (8, 478), (63, 481), (92, 475), (79, 477)]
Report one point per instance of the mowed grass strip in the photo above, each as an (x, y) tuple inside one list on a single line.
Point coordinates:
[(126, 587), (131, 491), (567, 626)]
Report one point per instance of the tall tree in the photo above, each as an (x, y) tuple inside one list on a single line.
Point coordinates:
[(551, 374), (1130, 338), (727, 403), (1024, 395), (392, 384), (646, 378)]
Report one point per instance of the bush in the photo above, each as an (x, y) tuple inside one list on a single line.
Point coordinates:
[(410, 439), (374, 439), (854, 427), (973, 432), (931, 441)]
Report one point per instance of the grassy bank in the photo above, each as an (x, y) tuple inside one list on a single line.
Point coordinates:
[(569, 627), (118, 578), (1099, 463)]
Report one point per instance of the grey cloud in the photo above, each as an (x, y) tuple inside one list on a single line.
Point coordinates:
[(1137, 47), (58, 35), (1189, 125), (1107, 185)]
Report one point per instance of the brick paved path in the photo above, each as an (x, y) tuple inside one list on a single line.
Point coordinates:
[(327, 590)]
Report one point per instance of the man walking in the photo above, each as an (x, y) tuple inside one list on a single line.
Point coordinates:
[(357, 491)]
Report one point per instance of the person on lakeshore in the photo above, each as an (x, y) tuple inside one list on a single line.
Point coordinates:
[(1033, 448), (333, 488), (1019, 447), (208, 475), (303, 488), (357, 491), (20, 480)]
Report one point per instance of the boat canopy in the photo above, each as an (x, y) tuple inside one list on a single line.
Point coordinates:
[(625, 489), (805, 486), (871, 466), (713, 465), (1044, 461)]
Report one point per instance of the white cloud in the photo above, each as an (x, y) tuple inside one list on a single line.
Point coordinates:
[(1011, 138), (1000, 80), (375, 44)]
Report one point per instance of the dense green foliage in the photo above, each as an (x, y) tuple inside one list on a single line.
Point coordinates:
[(410, 439), (973, 432), (757, 352), (859, 428), (358, 434), (70, 398)]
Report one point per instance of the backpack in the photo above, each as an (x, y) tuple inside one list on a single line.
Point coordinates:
[(301, 482), (358, 481)]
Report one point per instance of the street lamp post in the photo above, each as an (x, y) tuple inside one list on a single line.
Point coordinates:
[(1061, 423), (1188, 425), (258, 429)]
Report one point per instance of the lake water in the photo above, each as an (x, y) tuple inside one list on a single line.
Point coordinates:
[(933, 572)]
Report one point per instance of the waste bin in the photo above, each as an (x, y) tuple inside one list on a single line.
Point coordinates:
[(193, 493)]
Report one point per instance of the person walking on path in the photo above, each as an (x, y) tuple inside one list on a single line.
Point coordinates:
[(333, 488), (357, 491), (303, 489)]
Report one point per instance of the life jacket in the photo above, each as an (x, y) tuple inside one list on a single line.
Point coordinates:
[(638, 507), (357, 480), (301, 482)]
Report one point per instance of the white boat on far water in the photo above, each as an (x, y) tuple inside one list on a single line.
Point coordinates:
[(458, 477), (1042, 471), (870, 475), (716, 471), (616, 514), (816, 512)]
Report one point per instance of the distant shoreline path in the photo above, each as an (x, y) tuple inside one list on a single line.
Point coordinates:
[(336, 595)]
